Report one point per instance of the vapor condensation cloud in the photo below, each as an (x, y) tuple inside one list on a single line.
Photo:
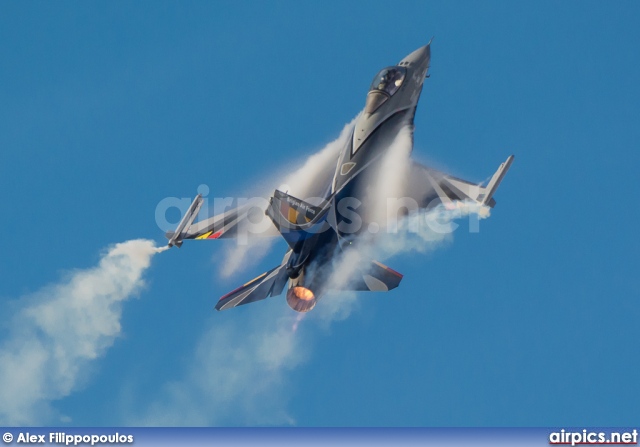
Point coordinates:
[(420, 231), (306, 182), (58, 331), (237, 374), (310, 179)]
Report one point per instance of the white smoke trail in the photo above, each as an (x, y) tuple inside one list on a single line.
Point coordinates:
[(58, 331), (163, 248), (305, 182)]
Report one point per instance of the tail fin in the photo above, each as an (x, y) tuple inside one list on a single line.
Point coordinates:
[(296, 219)]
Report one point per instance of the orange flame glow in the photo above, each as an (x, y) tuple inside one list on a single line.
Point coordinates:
[(303, 293), (301, 299)]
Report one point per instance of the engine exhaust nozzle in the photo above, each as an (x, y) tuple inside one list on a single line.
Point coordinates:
[(301, 299)]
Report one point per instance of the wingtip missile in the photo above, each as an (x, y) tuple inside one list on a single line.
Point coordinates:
[(495, 181), (175, 237)]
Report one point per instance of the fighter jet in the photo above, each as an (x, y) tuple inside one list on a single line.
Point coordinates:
[(318, 233)]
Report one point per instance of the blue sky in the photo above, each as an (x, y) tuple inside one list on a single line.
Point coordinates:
[(107, 108)]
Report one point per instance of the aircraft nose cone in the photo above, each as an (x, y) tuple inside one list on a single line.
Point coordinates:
[(420, 56)]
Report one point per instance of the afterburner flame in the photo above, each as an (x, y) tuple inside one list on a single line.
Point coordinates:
[(303, 293), (301, 299)]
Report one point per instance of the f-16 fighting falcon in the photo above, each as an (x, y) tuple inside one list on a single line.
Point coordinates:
[(318, 233)]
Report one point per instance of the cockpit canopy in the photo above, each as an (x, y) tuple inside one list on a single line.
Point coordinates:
[(384, 85), (389, 80)]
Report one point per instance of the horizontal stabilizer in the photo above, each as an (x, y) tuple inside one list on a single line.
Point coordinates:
[(257, 289), (376, 277), (268, 284)]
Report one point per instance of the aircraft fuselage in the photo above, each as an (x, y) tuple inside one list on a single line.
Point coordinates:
[(390, 107)]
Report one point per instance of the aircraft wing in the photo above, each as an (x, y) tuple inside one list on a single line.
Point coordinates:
[(430, 187), (228, 224)]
